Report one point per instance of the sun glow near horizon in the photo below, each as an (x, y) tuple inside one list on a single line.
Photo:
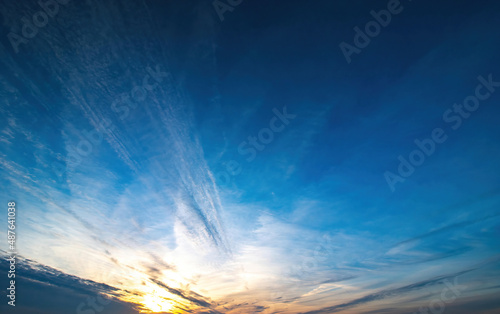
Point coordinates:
[(157, 304)]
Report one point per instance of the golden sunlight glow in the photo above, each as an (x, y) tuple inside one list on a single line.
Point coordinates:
[(157, 304)]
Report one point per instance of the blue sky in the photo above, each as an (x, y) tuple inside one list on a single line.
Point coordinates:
[(122, 129)]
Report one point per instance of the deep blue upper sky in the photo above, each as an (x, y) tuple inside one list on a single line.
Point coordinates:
[(126, 140)]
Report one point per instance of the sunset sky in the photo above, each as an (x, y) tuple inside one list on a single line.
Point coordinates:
[(228, 157)]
